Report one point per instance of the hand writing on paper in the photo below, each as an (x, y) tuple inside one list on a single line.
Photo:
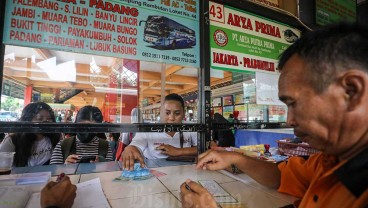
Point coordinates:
[(169, 150), (194, 195), (216, 160), (61, 194), (72, 159), (130, 154)]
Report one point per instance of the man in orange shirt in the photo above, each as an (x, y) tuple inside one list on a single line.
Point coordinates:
[(324, 83)]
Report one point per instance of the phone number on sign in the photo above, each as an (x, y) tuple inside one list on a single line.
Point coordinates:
[(165, 57), (151, 55), (183, 59)]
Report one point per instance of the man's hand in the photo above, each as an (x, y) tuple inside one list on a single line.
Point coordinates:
[(217, 160), (60, 194), (130, 154), (194, 195), (169, 150), (213, 144)]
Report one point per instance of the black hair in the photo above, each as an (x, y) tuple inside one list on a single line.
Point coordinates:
[(175, 97), (32, 109), (23, 142), (115, 136), (89, 113), (330, 50), (225, 137)]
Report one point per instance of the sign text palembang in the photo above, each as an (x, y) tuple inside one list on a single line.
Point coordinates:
[(156, 30)]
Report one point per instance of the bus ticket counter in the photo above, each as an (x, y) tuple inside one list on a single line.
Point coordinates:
[(164, 190)]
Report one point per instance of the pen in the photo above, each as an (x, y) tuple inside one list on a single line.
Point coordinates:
[(60, 177), (188, 187)]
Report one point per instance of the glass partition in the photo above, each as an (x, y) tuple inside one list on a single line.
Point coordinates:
[(68, 81)]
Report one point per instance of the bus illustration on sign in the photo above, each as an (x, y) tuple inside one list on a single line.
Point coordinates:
[(164, 32)]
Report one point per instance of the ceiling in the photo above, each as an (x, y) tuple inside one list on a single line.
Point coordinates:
[(54, 72)]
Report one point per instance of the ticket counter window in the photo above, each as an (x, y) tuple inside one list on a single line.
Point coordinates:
[(68, 81), (235, 93)]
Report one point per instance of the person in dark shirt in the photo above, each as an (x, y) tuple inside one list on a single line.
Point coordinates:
[(83, 144)]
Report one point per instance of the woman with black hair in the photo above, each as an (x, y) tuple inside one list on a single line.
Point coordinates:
[(32, 149), (88, 145)]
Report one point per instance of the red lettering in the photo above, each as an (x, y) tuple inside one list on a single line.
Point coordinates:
[(239, 21), (116, 8), (268, 29)]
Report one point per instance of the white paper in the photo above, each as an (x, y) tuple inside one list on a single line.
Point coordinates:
[(225, 199), (14, 196), (34, 201), (221, 196), (214, 188), (89, 195)]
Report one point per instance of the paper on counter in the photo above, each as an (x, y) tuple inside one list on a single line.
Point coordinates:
[(220, 194), (225, 199), (89, 195), (14, 196), (214, 188)]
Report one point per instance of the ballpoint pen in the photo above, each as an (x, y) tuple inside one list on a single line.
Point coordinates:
[(60, 177), (187, 187)]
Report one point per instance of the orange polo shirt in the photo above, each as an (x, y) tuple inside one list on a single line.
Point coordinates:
[(322, 181)]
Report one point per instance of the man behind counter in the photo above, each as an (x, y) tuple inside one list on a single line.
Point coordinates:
[(156, 145), (324, 83)]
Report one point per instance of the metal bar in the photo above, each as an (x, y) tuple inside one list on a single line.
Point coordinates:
[(204, 90), (29, 127), (2, 46)]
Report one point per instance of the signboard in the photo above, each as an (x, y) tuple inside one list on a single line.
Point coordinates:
[(237, 77), (6, 89), (216, 102), (328, 12), (277, 110), (243, 41), (227, 111), (239, 99), (255, 112), (149, 30), (249, 91), (242, 112), (227, 100), (12, 89), (36, 97), (267, 90), (217, 110)]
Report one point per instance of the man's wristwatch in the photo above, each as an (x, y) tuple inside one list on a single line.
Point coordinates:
[(234, 169)]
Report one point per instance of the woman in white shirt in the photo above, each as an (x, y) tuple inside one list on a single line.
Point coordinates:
[(32, 149)]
